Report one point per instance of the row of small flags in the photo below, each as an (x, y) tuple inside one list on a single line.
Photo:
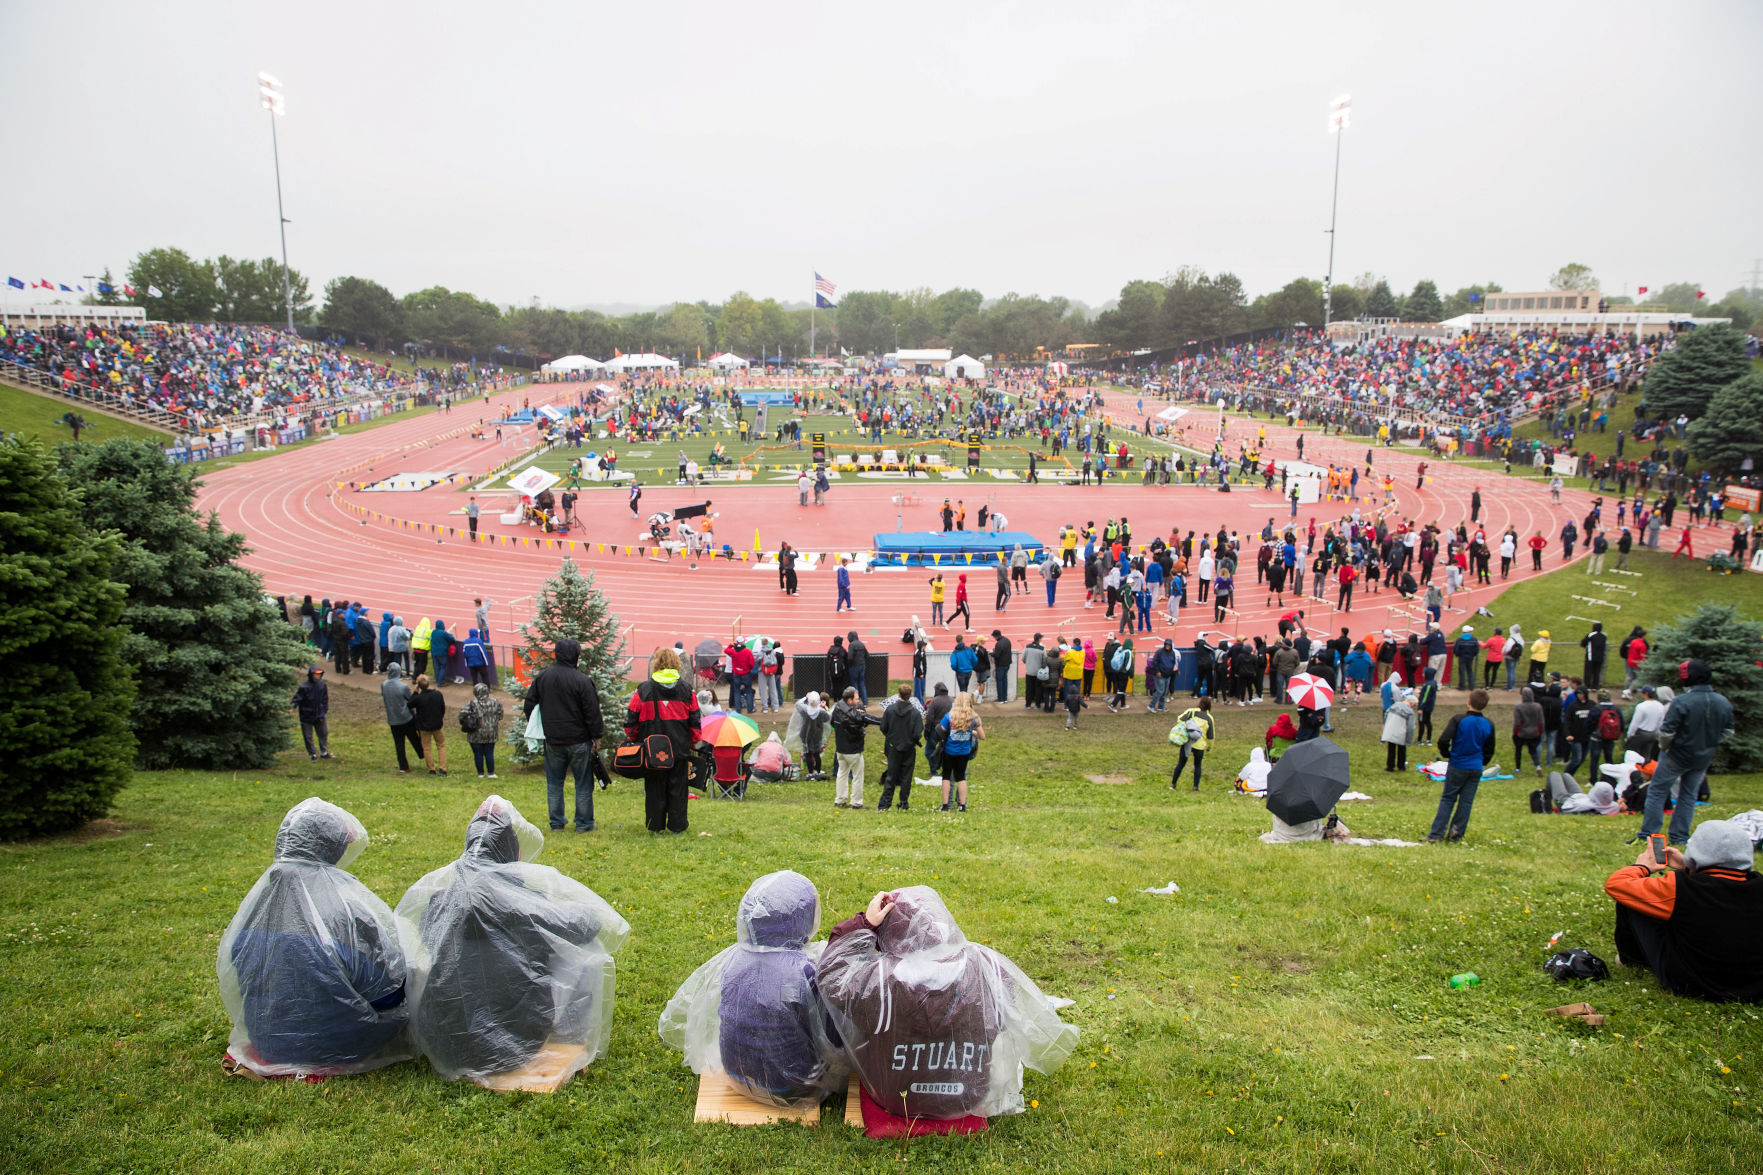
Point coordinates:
[(64, 288)]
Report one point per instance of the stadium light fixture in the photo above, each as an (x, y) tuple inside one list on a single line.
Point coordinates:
[(1340, 113), (269, 96)]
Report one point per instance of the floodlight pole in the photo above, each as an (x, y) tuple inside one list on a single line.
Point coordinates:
[(1337, 125), (270, 91)]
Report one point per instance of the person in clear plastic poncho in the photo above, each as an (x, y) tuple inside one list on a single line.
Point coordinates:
[(310, 970), (936, 1026), (751, 1012), (507, 957)]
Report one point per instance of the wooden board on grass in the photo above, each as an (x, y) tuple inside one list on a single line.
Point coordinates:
[(718, 1101), (853, 1106), (550, 1068)]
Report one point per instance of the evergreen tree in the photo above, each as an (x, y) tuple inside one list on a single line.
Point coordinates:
[(1685, 379), (1732, 646), (1380, 302), (570, 606), (65, 693), (212, 660), (1732, 427), (1424, 304)]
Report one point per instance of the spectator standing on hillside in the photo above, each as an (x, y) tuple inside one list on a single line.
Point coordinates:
[(481, 720), (859, 669), (1200, 731), (569, 711), (1464, 651), (342, 636), (961, 735), (312, 701), (902, 726), (395, 693), (849, 719), (1003, 668), (1696, 723), (429, 706), (1400, 724), (1633, 652), (1644, 724), (663, 706), (1468, 743)]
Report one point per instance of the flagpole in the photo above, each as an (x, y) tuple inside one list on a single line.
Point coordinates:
[(813, 301)]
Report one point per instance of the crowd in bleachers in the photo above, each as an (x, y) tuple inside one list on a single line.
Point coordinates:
[(1489, 378), (202, 374)]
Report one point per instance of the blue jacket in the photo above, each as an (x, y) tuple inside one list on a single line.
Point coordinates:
[(1434, 643), (385, 628), (1358, 664), (1468, 741), (475, 653), (962, 659)]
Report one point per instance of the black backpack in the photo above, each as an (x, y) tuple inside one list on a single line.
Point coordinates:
[(1539, 802), (1577, 963)]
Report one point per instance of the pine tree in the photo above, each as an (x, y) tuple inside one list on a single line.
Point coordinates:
[(570, 606), (1424, 304), (66, 691), (1732, 646), (1380, 302), (1732, 428), (213, 660), (1686, 377)]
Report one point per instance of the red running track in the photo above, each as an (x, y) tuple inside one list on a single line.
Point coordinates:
[(305, 536)]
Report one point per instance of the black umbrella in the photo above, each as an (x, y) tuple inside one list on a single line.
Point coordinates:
[(1308, 781)]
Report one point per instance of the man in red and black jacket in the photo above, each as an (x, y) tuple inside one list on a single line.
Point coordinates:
[(1697, 921)]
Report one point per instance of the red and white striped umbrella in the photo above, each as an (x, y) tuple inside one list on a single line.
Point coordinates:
[(1310, 691)]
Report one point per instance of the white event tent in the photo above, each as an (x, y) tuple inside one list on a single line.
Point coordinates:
[(964, 367), (727, 362), (647, 359), (573, 363)]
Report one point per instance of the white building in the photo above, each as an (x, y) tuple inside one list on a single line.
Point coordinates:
[(1574, 322)]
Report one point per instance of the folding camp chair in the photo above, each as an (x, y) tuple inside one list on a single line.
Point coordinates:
[(728, 781)]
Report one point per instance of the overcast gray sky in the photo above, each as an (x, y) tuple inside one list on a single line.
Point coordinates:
[(652, 152)]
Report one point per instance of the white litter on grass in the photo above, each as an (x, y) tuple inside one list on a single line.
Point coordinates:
[(1170, 888), (1391, 841), (1056, 1002), (1355, 795), (1113, 901)]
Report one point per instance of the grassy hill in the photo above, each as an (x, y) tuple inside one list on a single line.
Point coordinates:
[(1286, 1011), (35, 414)]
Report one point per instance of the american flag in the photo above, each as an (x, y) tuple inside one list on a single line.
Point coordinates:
[(822, 286)]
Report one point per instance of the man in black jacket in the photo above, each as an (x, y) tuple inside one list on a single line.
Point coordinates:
[(848, 722), (859, 666), (838, 668), (1002, 662), (569, 710), (901, 727), (1595, 644)]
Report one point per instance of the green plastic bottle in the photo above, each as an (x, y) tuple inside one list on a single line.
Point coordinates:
[(1466, 979)]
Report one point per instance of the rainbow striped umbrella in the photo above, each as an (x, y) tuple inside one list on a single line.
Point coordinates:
[(727, 729)]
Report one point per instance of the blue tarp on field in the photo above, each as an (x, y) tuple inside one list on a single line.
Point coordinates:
[(933, 548), (750, 396)]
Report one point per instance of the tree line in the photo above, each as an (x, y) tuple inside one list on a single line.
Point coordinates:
[(1183, 307)]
